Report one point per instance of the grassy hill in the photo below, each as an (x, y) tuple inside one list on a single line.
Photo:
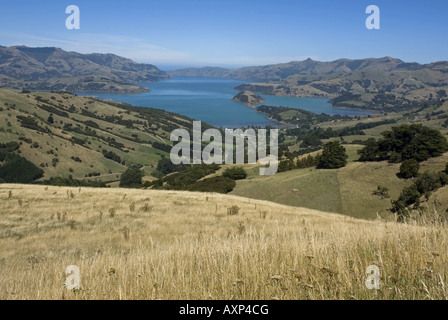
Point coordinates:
[(137, 244), (81, 130), (347, 191)]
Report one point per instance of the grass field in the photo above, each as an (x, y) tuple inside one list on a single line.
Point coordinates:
[(136, 244), (348, 190)]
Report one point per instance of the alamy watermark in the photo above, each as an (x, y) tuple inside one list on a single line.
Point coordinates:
[(373, 21), (373, 278), (183, 153), (73, 281), (73, 21)]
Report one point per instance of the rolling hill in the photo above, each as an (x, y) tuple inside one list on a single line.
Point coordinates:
[(364, 83), (55, 69), (85, 136)]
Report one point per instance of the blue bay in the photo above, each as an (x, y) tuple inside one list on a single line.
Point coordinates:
[(210, 100)]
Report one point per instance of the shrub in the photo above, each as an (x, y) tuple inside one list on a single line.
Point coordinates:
[(235, 173), (233, 211), (406, 142), (216, 184), (111, 156), (166, 166), (382, 191), (162, 147), (409, 168), (333, 156), (131, 178)]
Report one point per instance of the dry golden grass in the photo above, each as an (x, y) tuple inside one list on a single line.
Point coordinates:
[(136, 244)]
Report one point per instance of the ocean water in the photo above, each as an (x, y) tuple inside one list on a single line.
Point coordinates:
[(210, 100)]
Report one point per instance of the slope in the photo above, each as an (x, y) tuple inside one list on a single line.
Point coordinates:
[(84, 136)]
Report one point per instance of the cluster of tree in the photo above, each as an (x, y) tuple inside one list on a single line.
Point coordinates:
[(181, 180), (70, 182), (162, 147), (16, 169), (409, 169), (191, 178), (297, 153), (53, 110), (305, 162), (302, 117), (112, 156), (405, 142), (333, 156), (165, 166), (131, 178), (87, 131), (312, 137), (31, 123), (381, 101), (423, 186), (235, 173), (9, 147), (158, 119), (218, 184)]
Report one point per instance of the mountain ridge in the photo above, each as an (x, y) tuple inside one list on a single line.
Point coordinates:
[(372, 83), (51, 68)]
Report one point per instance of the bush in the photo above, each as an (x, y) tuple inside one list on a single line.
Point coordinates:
[(236, 173), (216, 184), (424, 185), (165, 166), (409, 168), (70, 182), (182, 180), (131, 178), (382, 192), (333, 156), (111, 156), (162, 147)]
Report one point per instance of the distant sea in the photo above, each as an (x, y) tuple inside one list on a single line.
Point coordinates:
[(210, 100)]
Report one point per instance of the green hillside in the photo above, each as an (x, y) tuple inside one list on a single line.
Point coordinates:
[(65, 134), (347, 190)]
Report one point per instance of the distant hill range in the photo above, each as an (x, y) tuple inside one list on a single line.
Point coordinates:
[(55, 69), (365, 83)]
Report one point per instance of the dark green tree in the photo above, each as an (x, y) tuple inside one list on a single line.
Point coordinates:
[(370, 152), (131, 178), (409, 168), (50, 119), (333, 156), (236, 173), (16, 169), (406, 142)]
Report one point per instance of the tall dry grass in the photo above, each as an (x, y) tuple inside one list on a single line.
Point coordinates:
[(135, 244)]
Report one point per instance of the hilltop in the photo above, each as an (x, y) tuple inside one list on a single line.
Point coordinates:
[(49, 69), (248, 98)]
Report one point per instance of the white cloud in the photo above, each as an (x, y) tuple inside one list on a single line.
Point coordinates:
[(138, 50)]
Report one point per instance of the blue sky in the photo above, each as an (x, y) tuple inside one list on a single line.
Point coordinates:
[(232, 33)]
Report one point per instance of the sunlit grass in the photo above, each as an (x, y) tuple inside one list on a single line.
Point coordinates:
[(135, 244)]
